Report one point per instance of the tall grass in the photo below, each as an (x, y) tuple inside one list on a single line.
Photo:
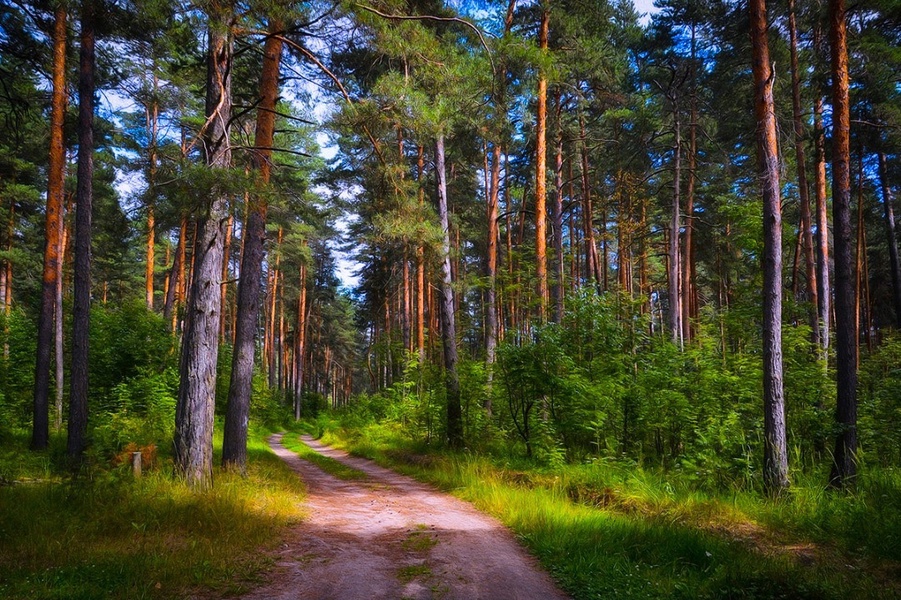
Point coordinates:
[(607, 530), (113, 536)]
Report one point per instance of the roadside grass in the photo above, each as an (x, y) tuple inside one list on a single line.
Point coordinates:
[(292, 442), (608, 530), (105, 534)]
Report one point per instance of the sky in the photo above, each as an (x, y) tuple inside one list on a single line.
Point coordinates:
[(645, 6)]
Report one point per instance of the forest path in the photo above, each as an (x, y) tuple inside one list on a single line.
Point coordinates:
[(390, 537)]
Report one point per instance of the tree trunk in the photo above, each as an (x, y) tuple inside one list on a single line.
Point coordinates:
[(674, 262), (775, 457), (273, 306), (152, 128), (301, 341), (81, 322), (824, 288), (689, 292), (491, 332), (558, 214), (193, 451), (234, 441), (844, 467), (891, 238), (448, 324), (592, 271), (541, 176), (56, 173), (58, 333), (223, 288), (803, 190), (170, 311), (420, 265)]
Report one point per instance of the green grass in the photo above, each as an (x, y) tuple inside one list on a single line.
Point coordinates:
[(111, 536), (408, 574), (329, 465), (606, 530), (419, 540)]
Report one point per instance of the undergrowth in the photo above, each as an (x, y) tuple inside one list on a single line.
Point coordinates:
[(606, 529), (106, 534)]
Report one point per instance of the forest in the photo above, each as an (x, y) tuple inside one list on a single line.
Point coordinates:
[(627, 281)]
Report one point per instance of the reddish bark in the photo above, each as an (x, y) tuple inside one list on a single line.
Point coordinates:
[(234, 443), (541, 175), (53, 229), (844, 468)]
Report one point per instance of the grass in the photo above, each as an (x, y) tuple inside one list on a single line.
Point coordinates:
[(331, 466), (111, 536), (419, 540), (408, 574), (605, 530)]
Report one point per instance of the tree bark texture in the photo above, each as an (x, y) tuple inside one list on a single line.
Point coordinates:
[(775, 463), (844, 468), (200, 348), (234, 443), (81, 322), (448, 323), (541, 176), (53, 229)]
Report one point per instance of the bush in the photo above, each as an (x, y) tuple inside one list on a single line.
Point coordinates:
[(141, 412), (17, 354)]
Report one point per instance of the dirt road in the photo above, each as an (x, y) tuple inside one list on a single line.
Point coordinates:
[(391, 537)]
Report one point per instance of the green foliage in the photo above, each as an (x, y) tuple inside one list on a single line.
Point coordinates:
[(267, 407), (880, 404), (601, 385), (17, 337), (143, 414), (126, 340)]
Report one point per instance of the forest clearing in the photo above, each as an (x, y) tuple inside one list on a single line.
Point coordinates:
[(450, 299)]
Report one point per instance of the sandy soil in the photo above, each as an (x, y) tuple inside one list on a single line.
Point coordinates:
[(391, 537)]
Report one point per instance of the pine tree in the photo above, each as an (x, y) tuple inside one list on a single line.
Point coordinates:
[(200, 349), (775, 462)]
